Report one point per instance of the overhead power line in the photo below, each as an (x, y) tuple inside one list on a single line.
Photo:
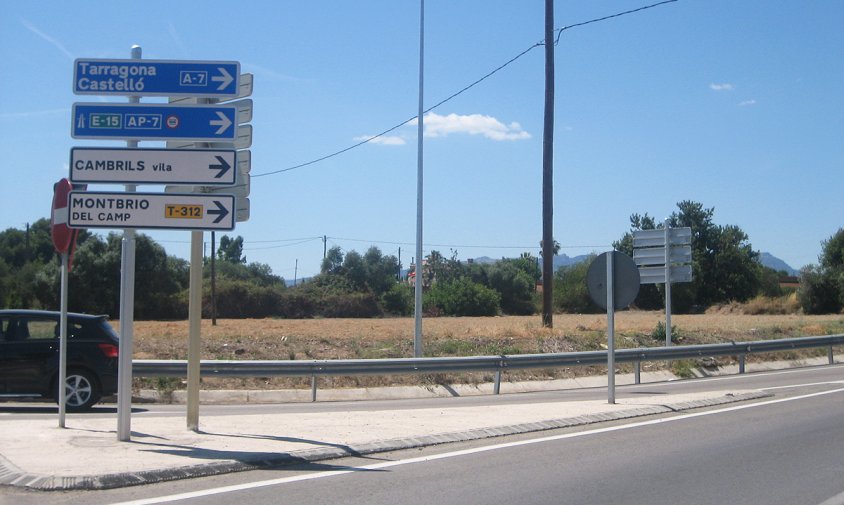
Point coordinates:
[(465, 89)]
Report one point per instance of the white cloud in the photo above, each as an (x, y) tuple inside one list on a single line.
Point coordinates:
[(747, 103), (384, 140), (725, 86), (473, 124)]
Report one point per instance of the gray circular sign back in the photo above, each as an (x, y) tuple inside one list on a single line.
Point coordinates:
[(625, 280)]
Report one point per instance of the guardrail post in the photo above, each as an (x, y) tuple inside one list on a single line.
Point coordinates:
[(497, 387), (637, 372), (313, 387), (741, 363), (831, 357)]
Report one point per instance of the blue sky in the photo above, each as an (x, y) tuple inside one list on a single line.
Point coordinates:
[(736, 104)]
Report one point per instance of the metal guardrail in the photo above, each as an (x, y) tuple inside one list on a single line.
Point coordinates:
[(496, 364)]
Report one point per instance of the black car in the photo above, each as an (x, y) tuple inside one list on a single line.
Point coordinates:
[(29, 356)]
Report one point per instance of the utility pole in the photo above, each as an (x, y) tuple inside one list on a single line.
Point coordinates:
[(26, 249), (213, 279), (324, 246), (548, 174)]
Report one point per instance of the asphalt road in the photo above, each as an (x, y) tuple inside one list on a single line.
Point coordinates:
[(786, 450)]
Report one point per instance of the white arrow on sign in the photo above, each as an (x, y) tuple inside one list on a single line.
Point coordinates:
[(223, 122), (225, 78)]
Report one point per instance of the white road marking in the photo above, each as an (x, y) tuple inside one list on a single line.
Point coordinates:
[(465, 452)]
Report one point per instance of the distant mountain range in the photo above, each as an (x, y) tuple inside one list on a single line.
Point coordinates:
[(563, 260), (771, 261)]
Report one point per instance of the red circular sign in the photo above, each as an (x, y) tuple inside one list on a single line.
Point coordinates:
[(62, 235), (172, 121)]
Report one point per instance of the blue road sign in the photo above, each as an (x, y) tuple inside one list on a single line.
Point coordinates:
[(154, 122), (93, 76)]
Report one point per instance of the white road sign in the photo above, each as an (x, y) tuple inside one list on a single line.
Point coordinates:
[(656, 275), (153, 166), (90, 209), (656, 238), (656, 255)]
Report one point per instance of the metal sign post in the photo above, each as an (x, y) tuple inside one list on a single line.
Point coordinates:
[(62, 392), (613, 283), (63, 240), (198, 87), (127, 311), (610, 331), (664, 256), (667, 284)]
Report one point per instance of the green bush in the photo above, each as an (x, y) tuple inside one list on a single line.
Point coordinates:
[(570, 292), (658, 333), (818, 292), (240, 299), (398, 300), (350, 305), (462, 297)]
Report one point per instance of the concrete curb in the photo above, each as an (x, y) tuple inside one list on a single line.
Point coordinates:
[(13, 476)]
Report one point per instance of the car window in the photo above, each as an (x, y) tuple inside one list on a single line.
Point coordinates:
[(4, 325), (40, 329), (16, 330)]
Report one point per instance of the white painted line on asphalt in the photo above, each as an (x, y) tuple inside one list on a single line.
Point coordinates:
[(792, 386), (465, 452), (736, 376), (835, 500)]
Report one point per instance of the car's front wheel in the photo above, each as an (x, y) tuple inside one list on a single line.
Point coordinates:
[(82, 390)]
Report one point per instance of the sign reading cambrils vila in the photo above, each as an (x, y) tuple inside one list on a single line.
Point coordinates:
[(90, 209), (208, 167), (92, 76)]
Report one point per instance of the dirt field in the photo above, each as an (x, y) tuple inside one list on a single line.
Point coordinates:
[(282, 339)]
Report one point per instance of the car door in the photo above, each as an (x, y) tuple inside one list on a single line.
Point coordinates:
[(30, 355)]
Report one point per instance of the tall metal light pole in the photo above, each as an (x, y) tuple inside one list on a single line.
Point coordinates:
[(417, 339), (548, 173)]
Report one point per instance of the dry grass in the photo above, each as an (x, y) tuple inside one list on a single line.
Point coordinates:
[(282, 339)]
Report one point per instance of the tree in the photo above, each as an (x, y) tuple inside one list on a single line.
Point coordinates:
[(514, 286), (822, 286), (570, 292), (650, 297), (724, 265), (231, 250), (380, 270), (440, 269), (333, 261), (354, 270)]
